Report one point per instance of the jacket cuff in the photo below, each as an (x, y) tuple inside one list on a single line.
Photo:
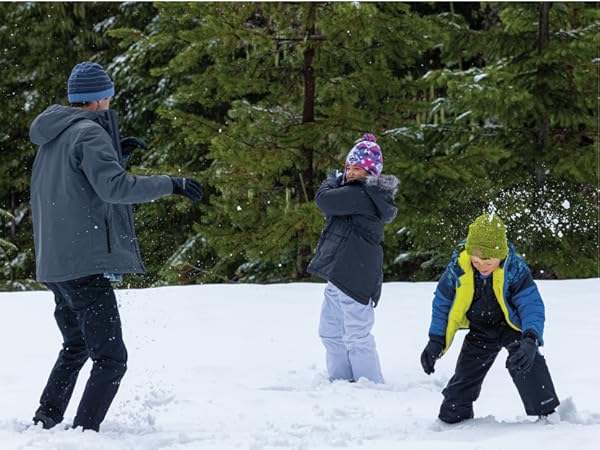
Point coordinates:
[(439, 339), (531, 334)]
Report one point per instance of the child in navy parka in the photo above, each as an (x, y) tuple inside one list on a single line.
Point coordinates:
[(489, 289), (349, 256)]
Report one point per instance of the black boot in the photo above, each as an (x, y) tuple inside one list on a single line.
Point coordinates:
[(46, 421)]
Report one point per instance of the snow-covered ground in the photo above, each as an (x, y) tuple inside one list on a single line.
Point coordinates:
[(241, 366)]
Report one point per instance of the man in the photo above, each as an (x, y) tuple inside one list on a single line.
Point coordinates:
[(81, 197)]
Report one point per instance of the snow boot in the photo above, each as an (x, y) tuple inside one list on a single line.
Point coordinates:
[(551, 418), (46, 421)]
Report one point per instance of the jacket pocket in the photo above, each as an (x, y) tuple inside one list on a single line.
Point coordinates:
[(327, 255), (330, 244)]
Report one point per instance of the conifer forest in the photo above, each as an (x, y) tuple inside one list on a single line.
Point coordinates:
[(477, 106)]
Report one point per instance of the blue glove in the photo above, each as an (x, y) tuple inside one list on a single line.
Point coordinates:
[(187, 187), (521, 354)]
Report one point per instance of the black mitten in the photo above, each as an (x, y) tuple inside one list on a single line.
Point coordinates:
[(334, 179), (433, 352), (129, 144), (187, 187), (522, 353)]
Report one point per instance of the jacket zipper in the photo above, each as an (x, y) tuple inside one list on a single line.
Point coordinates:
[(107, 236)]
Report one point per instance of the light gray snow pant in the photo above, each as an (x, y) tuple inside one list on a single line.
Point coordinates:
[(345, 329)]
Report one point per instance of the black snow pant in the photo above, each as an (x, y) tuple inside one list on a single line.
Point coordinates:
[(477, 355), (88, 318)]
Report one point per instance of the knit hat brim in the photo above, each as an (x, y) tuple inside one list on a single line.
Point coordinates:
[(91, 96), (482, 252)]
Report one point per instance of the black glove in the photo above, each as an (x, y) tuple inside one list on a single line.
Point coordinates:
[(188, 188), (433, 352), (129, 144), (521, 354), (334, 179)]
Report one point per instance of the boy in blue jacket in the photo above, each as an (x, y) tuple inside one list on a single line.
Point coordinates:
[(349, 256), (488, 289)]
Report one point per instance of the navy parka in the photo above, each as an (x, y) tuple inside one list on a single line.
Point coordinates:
[(349, 253)]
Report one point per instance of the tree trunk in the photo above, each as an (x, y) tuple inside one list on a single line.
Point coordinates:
[(543, 122), (542, 133), (13, 222), (308, 115), (544, 27)]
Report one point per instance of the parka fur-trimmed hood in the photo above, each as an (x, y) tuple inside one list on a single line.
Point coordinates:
[(382, 190), (388, 183)]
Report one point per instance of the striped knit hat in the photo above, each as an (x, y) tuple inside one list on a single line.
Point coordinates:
[(88, 82)]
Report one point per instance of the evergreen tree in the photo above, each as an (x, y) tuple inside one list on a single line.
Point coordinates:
[(165, 226), (7, 248), (277, 93), (41, 43), (444, 174), (522, 90), (477, 107)]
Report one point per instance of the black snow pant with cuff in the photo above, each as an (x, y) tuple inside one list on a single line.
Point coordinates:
[(477, 355), (88, 318)]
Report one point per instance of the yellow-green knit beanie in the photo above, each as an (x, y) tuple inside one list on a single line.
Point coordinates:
[(487, 238)]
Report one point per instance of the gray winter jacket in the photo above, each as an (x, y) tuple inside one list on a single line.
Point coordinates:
[(81, 196), (349, 253)]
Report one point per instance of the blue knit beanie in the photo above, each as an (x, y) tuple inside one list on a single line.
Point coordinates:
[(88, 82)]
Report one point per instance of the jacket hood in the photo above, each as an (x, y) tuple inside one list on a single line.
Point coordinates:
[(57, 118), (382, 189)]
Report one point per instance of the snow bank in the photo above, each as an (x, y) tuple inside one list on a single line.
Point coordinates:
[(241, 366)]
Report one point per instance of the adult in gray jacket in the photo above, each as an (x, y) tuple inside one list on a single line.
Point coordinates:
[(81, 197)]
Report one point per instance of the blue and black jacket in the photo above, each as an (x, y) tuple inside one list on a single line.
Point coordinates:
[(513, 287)]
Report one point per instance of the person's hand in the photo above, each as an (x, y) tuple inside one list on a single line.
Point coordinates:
[(433, 352), (187, 187), (334, 179), (521, 354), (129, 144)]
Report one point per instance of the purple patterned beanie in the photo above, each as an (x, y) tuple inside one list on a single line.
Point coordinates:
[(366, 154)]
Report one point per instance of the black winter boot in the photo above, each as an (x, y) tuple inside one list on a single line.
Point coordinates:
[(454, 413), (46, 421)]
